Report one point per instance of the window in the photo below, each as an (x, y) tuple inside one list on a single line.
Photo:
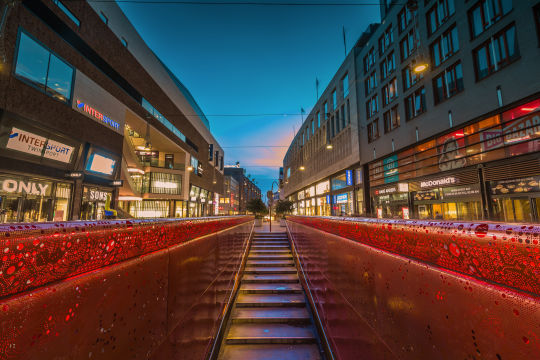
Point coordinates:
[(312, 127), (391, 119), (326, 111), (415, 104), (369, 60), (444, 47), (486, 13), (343, 117), (439, 14), (345, 85), (388, 65), (124, 41), (407, 45), (536, 11), (162, 119), (348, 112), (404, 19), (371, 83), (496, 53), (385, 40), (318, 120), (103, 17), (41, 68), (410, 77), (373, 130), (334, 99), (389, 92), (448, 83), (66, 11), (372, 106)]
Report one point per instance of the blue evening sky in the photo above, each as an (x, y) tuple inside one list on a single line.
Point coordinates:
[(252, 60)]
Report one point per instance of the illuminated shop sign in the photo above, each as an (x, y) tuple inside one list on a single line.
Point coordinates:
[(93, 113), (449, 180), (341, 198), (100, 164), (401, 187), (165, 184), (523, 129), (30, 143), (390, 166), (516, 186), (328, 199), (95, 195), (348, 177), (10, 185)]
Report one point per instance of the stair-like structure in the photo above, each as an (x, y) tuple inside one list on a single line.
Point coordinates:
[(270, 318)]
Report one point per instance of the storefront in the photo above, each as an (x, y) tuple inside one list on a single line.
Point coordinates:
[(485, 170), (454, 196), (30, 199), (96, 202), (342, 190), (391, 201), (343, 204)]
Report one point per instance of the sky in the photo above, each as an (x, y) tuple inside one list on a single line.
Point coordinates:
[(252, 68)]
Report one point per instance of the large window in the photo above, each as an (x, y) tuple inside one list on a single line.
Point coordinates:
[(407, 45), (41, 68), (496, 53), (318, 119), (405, 17), (448, 83), (391, 119), (369, 60), (372, 106), (389, 92), (444, 46), (415, 104), (312, 127), (485, 13), (334, 99), (410, 77), (345, 85), (386, 39), (370, 83), (66, 11), (162, 183), (326, 111), (439, 14), (373, 130), (388, 65)]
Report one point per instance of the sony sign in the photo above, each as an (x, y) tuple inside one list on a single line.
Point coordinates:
[(23, 187), (449, 180)]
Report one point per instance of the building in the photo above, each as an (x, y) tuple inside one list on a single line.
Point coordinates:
[(322, 174), (229, 203), (93, 123), (246, 188), (458, 140)]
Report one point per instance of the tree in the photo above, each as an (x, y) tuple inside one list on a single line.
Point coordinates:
[(257, 207), (284, 207)]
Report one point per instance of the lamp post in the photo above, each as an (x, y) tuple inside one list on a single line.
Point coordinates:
[(271, 201)]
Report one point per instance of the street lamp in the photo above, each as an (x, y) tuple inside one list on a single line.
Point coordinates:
[(302, 168), (329, 146)]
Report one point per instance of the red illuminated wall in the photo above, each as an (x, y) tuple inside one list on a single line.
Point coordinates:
[(143, 289), (389, 289)]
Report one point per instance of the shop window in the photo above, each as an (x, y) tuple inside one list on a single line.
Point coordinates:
[(439, 14), (486, 13), (386, 39), (415, 104), (404, 18), (389, 92), (444, 46), (149, 209), (66, 11), (373, 130), (410, 77), (42, 69), (407, 46), (391, 119), (448, 83), (496, 53)]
